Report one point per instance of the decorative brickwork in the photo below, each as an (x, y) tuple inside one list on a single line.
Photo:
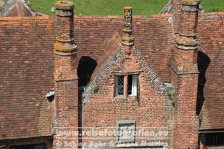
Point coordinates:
[(176, 14), (102, 109), (38, 55), (185, 78), (114, 62), (30, 69), (104, 73), (66, 80)]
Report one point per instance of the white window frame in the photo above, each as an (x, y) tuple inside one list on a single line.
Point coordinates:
[(134, 85)]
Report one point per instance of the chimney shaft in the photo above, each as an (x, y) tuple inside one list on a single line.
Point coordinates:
[(64, 12), (176, 14), (189, 18), (65, 48), (185, 78), (66, 80), (186, 40), (127, 37)]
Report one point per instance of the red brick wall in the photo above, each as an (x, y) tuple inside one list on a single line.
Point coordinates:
[(104, 110), (186, 121), (176, 14), (153, 37), (185, 75), (66, 100), (27, 63), (66, 80)]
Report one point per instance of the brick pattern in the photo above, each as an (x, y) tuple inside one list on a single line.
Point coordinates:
[(26, 63), (112, 62), (66, 120), (26, 76), (152, 109), (186, 121), (65, 76), (185, 75), (211, 64), (153, 35), (176, 14), (108, 64)]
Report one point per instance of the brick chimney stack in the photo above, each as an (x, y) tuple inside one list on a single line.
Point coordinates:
[(185, 77), (186, 41), (127, 37), (177, 6), (66, 80), (189, 18)]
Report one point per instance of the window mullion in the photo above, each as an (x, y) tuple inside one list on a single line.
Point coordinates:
[(125, 86)]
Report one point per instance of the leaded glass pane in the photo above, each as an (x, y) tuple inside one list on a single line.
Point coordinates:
[(120, 85)]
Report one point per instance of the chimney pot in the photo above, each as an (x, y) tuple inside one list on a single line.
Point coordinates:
[(64, 8), (127, 37), (189, 18), (191, 2), (65, 44), (64, 5), (128, 8)]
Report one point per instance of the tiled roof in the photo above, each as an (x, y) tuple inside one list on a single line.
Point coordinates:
[(153, 37), (15, 8), (26, 76), (26, 63), (211, 67)]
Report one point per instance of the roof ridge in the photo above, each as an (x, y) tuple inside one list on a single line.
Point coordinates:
[(25, 18)]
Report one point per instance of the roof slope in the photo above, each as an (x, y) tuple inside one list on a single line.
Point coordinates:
[(15, 8), (153, 37), (112, 61), (26, 76), (169, 8), (26, 63), (211, 67), (112, 47)]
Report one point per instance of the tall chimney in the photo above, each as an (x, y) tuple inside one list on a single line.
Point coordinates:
[(189, 17), (66, 80), (177, 6), (185, 78), (127, 37)]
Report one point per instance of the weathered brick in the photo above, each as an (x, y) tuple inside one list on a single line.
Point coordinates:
[(27, 66)]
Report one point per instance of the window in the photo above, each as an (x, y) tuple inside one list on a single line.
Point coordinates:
[(132, 85), (119, 85), (126, 132), (126, 85), (214, 139), (37, 146)]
